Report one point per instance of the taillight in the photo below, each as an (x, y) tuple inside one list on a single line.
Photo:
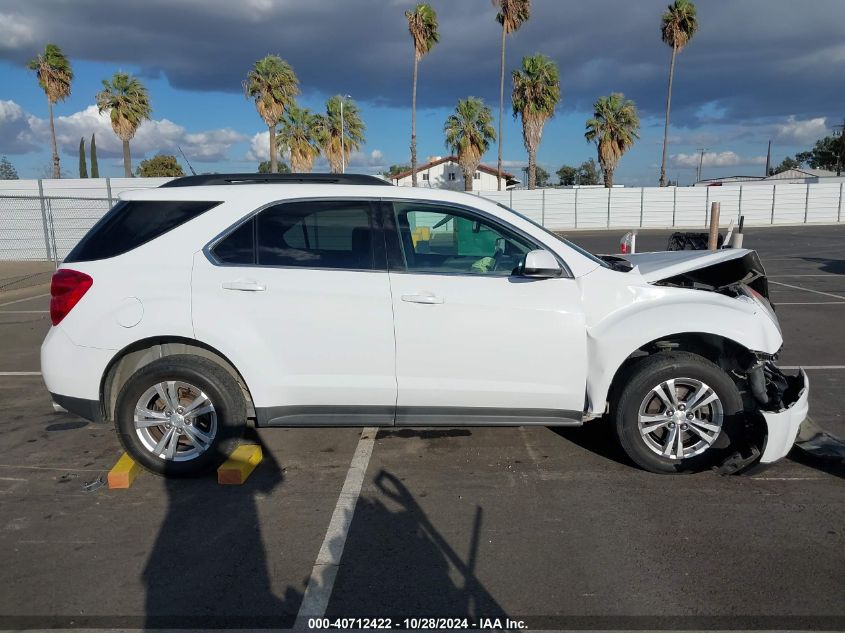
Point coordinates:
[(66, 289)]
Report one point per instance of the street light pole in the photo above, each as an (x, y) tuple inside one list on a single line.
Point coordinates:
[(342, 134)]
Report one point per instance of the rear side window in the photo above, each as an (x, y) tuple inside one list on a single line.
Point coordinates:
[(239, 246), (131, 223), (317, 234)]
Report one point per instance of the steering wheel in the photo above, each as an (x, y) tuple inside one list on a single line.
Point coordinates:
[(497, 255)]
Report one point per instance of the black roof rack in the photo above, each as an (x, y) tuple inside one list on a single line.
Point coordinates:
[(261, 179)]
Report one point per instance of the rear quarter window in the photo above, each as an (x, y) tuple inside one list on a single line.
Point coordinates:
[(131, 223)]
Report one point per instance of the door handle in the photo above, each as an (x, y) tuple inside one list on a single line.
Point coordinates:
[(426, 297), (247, 285)]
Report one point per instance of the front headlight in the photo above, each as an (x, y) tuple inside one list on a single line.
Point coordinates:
[(761, 301)]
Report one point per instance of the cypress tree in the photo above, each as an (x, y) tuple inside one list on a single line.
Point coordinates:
[(83, 167), (95, 170)]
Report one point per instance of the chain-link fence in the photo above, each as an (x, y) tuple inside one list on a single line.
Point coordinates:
[(45, 228)]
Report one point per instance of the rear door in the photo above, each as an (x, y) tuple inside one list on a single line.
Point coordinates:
[(476, 343), (299, 293)]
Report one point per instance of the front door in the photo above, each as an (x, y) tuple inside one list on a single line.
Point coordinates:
[(475, 343), (298, 297)]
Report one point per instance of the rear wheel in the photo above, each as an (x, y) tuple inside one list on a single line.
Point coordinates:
[(676, 412), (180, 415)]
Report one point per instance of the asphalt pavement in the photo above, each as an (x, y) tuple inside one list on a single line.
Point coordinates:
[(552, 527)]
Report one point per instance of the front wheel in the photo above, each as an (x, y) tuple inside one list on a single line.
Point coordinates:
[(676, 412), (180, 416)]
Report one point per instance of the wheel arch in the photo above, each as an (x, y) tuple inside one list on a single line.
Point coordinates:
[(144, 351), (723, 351)]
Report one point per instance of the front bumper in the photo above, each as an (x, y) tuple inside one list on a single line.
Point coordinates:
[(782, 426)]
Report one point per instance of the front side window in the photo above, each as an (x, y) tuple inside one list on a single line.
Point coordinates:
[(317, 234), (441, 239), (559, 238)]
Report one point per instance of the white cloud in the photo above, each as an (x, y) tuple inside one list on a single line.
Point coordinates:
[(716, 159), (16, 135), (801, 132), (21, 132), (373, 160), (259, 147), (17, 31)]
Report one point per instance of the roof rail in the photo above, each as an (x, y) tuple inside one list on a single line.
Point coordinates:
[(266, 179)]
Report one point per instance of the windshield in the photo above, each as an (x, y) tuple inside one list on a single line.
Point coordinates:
[(571, 245)]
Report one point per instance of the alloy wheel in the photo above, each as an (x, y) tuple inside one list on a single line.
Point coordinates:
[(680, 418), (175, 420)]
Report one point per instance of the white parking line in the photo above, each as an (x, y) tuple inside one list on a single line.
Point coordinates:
[(818, 292), (807, 275), (20, 373), (323, 574), (809, 303), (8, 303), (811, 366), (24, 312)]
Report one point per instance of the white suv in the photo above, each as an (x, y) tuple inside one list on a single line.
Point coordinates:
[(316, 300)]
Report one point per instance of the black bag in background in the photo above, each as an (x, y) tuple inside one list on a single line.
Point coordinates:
[(679, 241)]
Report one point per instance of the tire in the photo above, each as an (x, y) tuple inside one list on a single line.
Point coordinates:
[(688, 440), (204, 434)]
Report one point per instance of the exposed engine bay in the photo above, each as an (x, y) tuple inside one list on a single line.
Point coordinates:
[(725, 276), (716, 274)]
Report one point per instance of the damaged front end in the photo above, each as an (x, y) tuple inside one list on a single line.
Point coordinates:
[(783, 402), (726, 276), (775, 404), (776, 407)]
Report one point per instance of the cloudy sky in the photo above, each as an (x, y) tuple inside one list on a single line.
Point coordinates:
[(757, 70)]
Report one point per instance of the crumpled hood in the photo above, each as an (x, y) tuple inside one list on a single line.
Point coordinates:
[(665, 264), (702, 270)]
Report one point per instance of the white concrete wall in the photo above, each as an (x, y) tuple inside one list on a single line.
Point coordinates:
[(71, 207), (680, 207)]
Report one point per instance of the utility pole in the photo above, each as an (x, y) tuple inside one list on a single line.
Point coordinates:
[(701, 150), (768, 160), (839, 131)]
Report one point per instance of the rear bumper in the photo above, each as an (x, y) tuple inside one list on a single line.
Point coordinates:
[(782, 426), (88, 409), (72, 370)]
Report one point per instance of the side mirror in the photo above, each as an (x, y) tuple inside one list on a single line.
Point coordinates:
[(540, 264)]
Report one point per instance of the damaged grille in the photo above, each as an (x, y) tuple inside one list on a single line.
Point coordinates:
[(773, 389)]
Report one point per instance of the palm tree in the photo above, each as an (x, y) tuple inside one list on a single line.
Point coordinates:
[(469, 132), (300, 134), (273, 85), (422, 24), (536, 93), (350, 128), (512, 13), (54, 76), (614, 127), (678, 27), (128, 102)]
